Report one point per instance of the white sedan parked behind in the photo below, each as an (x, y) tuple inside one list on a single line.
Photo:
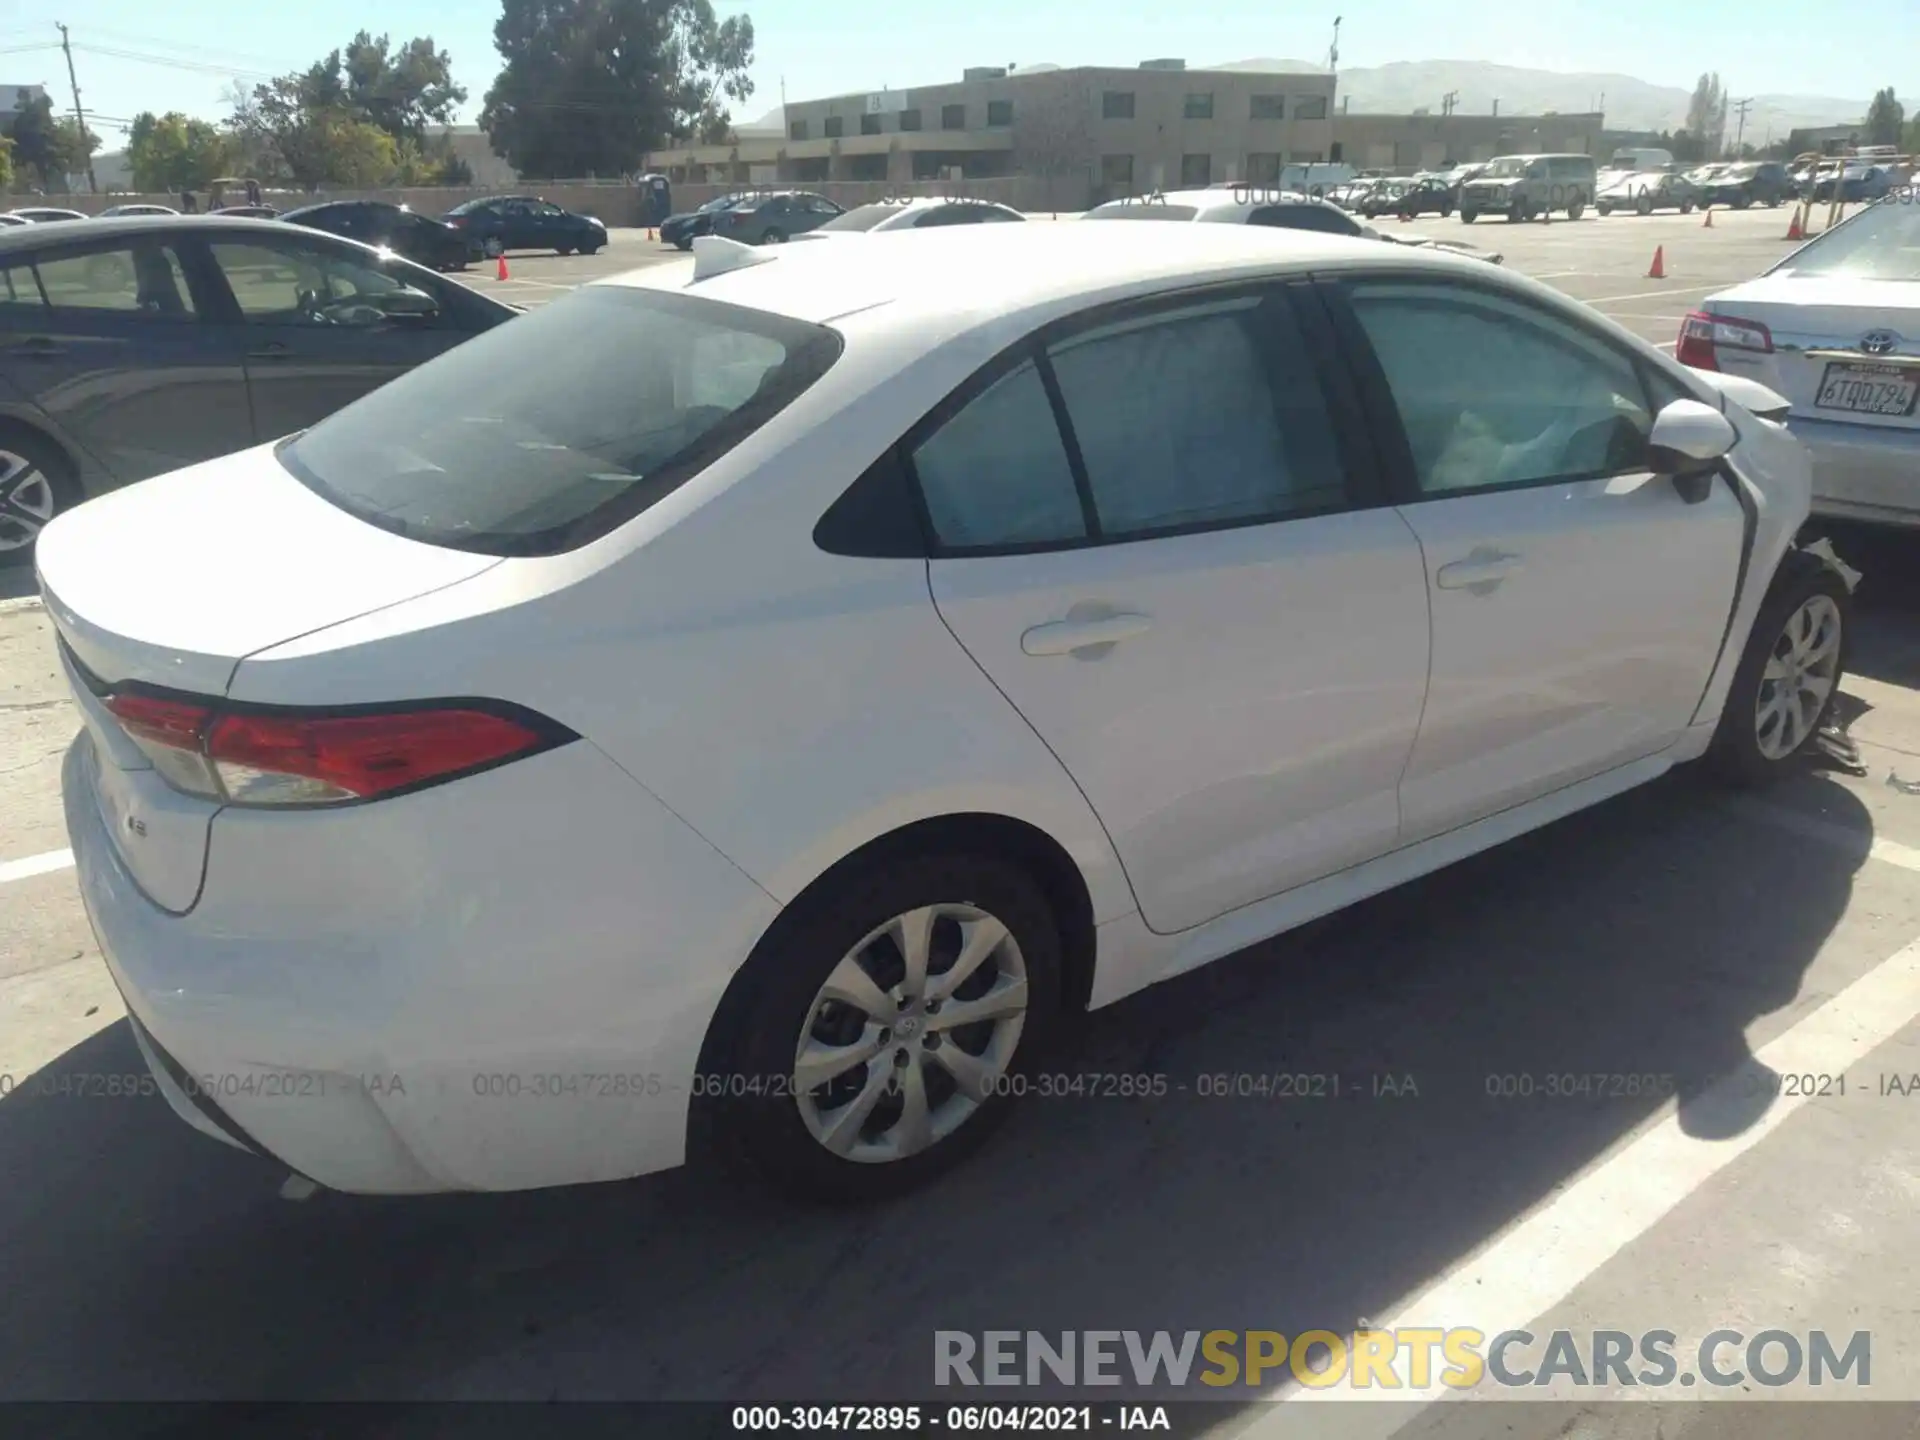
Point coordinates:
[(1835, 329), (777, 724)]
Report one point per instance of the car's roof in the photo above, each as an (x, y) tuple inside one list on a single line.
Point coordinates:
[(1004, 268), (33, 237)]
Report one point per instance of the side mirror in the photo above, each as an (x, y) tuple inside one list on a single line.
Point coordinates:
[(409, 302), (1689, 440)]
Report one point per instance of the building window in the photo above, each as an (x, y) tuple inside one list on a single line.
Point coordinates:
[(1000, 112), (909, 119), (1268, 107), (1116, 105), (1311, 107), (1196, 170), (953, 117), (1263, 168), (869, 124), (798, 130), (834, 128), (1116, 170), (1200, 107)]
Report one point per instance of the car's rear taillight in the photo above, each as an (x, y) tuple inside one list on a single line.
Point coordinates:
[(293, 757), (1702, 334)]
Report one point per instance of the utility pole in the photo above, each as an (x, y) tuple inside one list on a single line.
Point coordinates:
[(1740, 109), (79, 115), (1496, 106)]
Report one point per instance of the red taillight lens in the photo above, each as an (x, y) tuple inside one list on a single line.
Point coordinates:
[(292, 758), (276, 759), (1703, 334), (176, 724)]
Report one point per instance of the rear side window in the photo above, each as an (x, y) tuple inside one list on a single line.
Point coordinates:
[(1180, 422), (997, 473), (633, 394)]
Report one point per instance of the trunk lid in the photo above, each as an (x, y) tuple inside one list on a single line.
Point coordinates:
[(1856, 340), (171, 583)]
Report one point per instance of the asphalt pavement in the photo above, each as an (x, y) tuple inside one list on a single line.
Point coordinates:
[(1676, 931)]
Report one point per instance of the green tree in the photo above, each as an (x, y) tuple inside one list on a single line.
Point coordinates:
[(311, 135), (1707, 116), (51, 147), (1886, 119), (590, 86), (171, 152), (358, 116), (6, 164)]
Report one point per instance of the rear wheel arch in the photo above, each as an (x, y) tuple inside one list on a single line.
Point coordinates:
[(999, 837)]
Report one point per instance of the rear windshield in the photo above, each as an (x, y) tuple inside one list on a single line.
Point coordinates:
[(863, 217), (550, 430), (1882, 242), (1136, 210)]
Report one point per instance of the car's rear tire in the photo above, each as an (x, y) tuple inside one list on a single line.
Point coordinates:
[(1788, 675), (830, 1017), (1741, 202), (1605, 207), (1576, 209), (563, 249), (1686, 207), (494, 247), (37, 482), (773, 236), (1644, 205), (1468, 215)]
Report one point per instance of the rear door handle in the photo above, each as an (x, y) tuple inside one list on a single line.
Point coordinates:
[(1480, 571), (1064, 637), (271, 351)]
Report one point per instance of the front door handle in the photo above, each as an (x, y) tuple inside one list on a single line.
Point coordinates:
[(274, 350), (35, 347), (1479, 572), (1066, 637)]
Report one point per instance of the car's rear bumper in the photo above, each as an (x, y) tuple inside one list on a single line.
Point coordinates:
[(454, 994), (1862, 472)]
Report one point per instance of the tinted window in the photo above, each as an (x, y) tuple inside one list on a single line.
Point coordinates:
[(1323, 218), (1495, 393), (140, 279), (1136, 210), (862, 217), (951, 215), (997, 472), (301, 284), (1179, 422), (479, 451)]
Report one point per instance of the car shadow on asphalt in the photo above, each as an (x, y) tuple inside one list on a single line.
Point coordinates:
[(1640, 938)]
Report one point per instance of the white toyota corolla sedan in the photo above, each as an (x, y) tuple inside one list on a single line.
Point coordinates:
[(1835, 329), (831, 664)]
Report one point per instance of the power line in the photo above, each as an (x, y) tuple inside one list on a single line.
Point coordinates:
[(174, 62)]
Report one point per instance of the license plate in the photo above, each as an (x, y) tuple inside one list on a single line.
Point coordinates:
[(1868, 389)]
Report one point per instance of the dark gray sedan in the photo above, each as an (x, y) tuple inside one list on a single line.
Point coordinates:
[(771, 218), (132, 347)]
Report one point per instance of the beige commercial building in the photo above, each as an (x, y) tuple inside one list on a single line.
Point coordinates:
[(1094, 132), (1160, 125)]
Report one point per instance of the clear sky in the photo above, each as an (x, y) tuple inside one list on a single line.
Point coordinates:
[(189, 51)]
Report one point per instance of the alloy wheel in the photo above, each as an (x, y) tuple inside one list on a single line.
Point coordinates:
[(1800, 675), (27, 501), (912, 1032)]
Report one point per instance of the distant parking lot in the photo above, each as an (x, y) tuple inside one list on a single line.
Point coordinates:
[(1674, 931)]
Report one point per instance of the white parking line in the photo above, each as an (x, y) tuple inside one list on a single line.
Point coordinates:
[(11, 870), (1650, 294), (1538, 1263)]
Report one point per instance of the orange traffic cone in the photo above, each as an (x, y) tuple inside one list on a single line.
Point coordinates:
[(1794, 230), (1707, 224), (1659, 268), (500, 270)]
